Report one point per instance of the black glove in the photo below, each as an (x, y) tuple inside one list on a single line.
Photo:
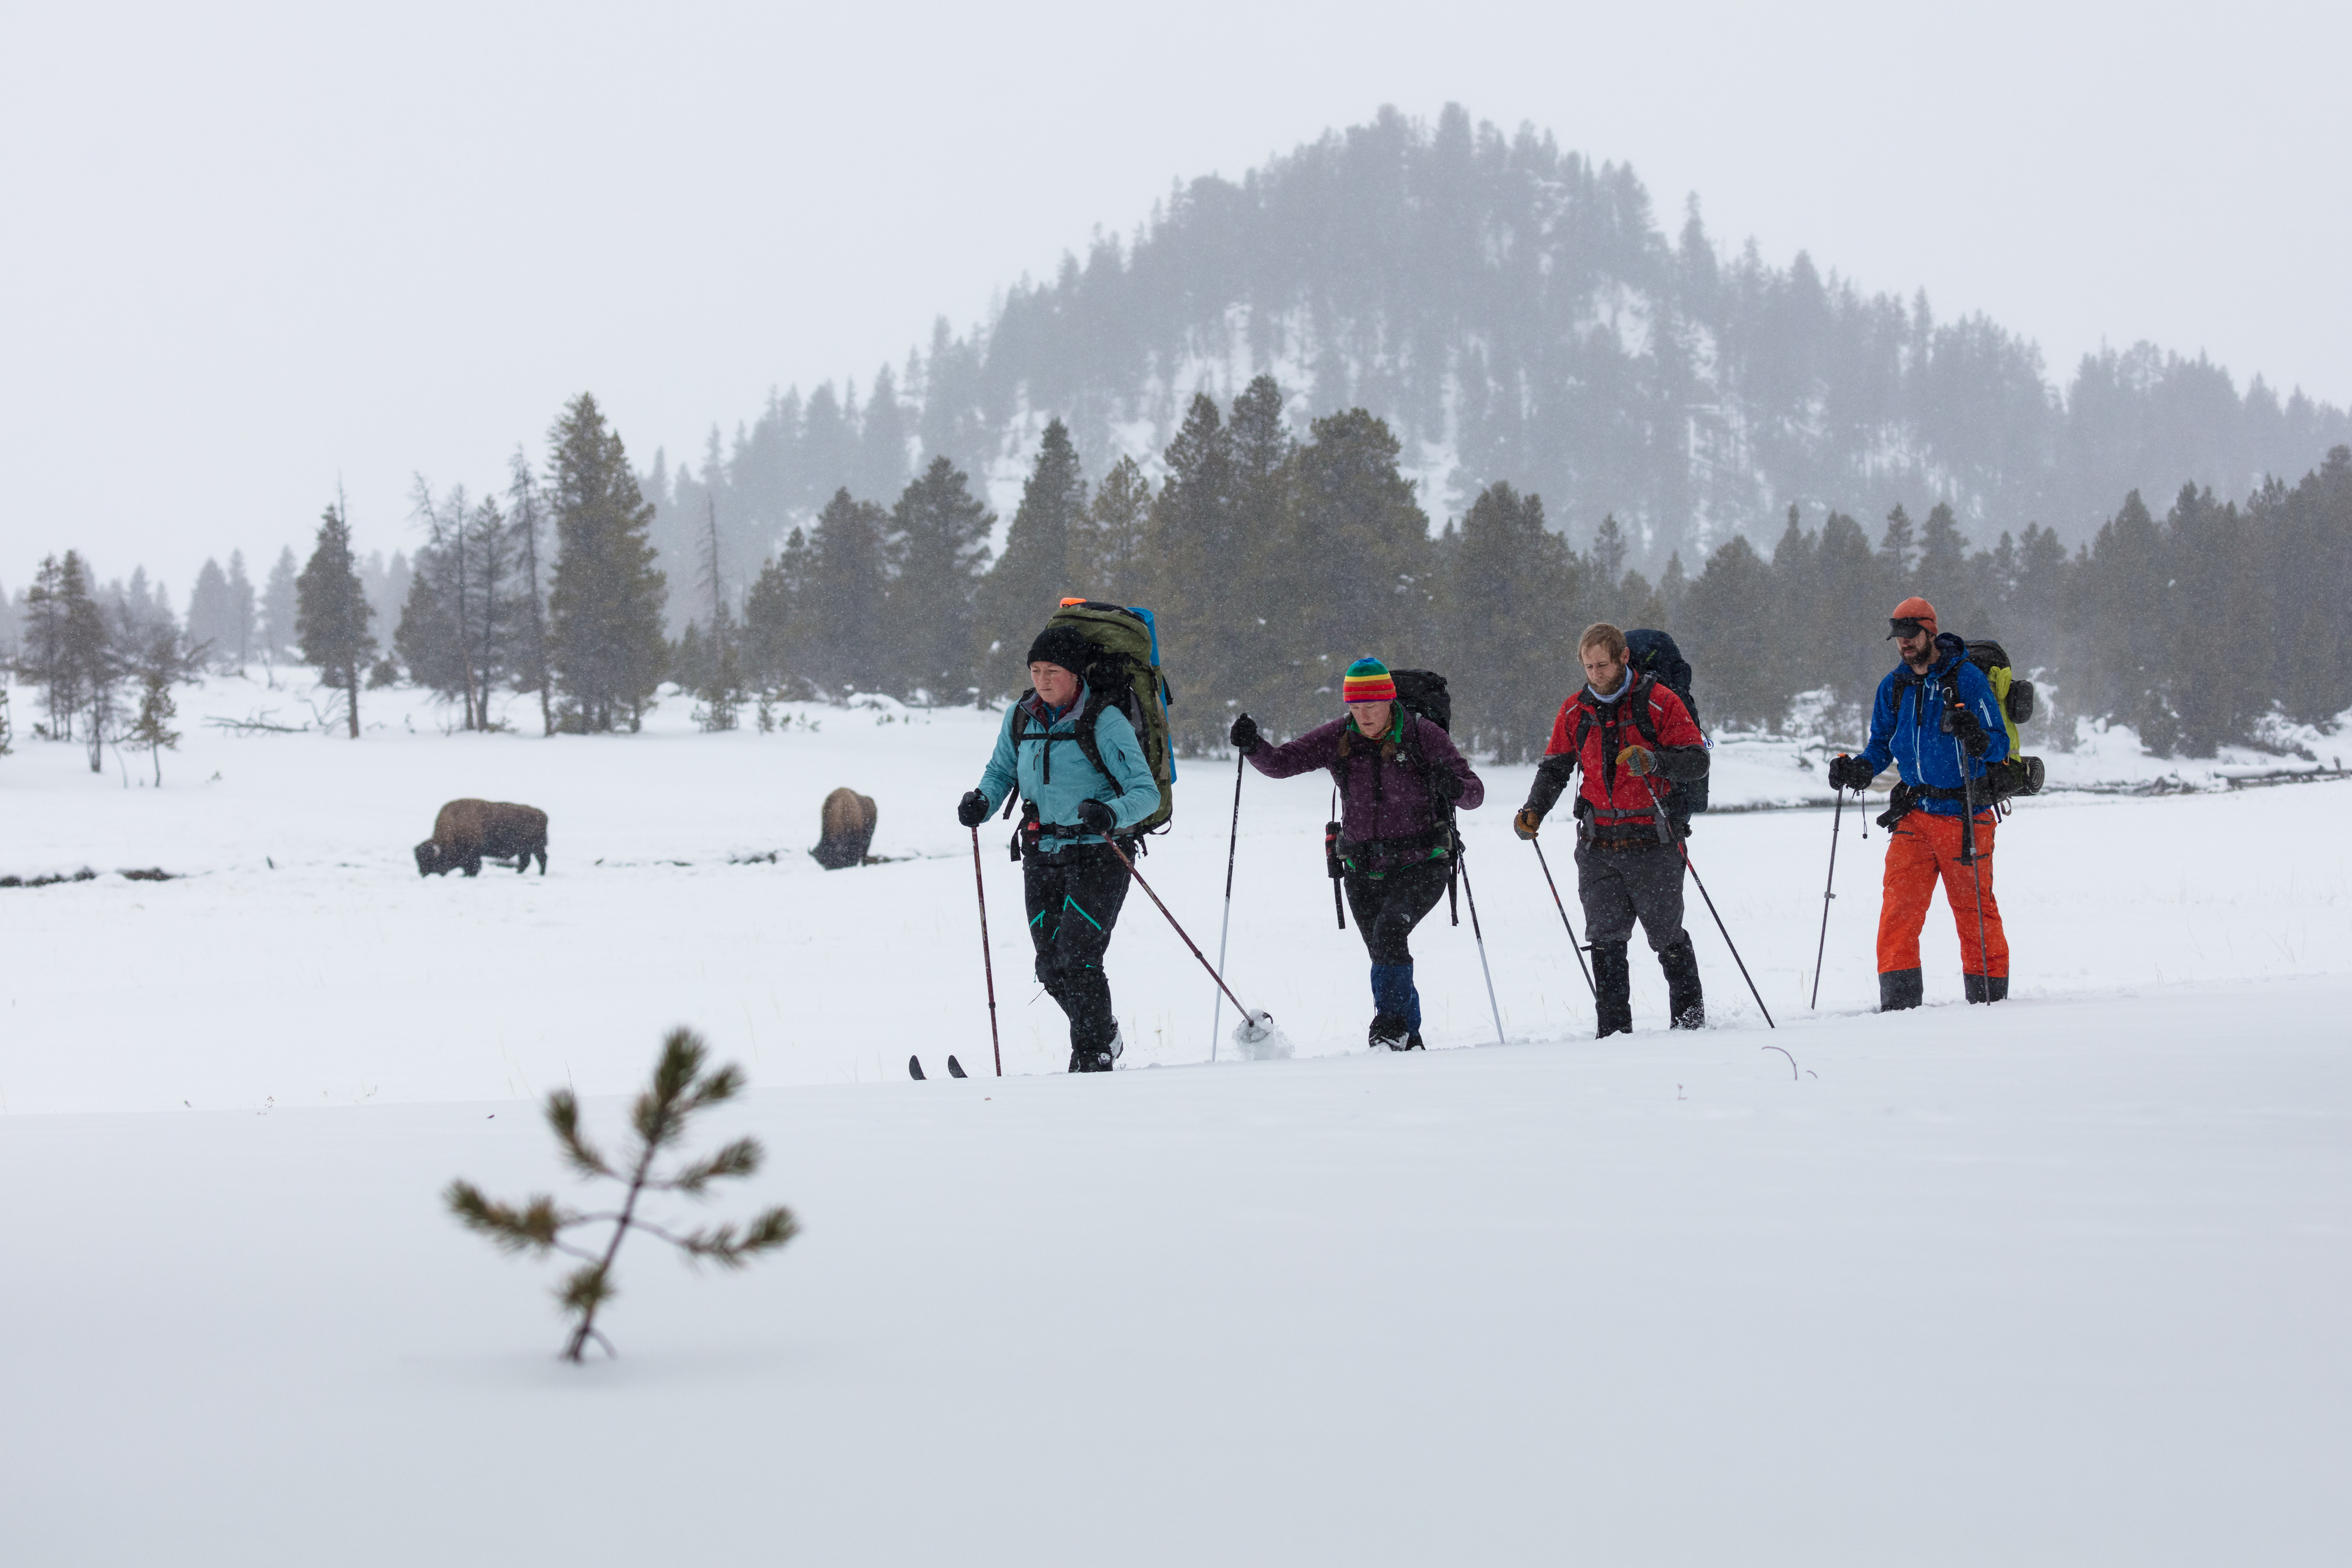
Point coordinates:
[(1850, 773), (1971, 731), (1445, 784), (1245, 737), (973, 809), (1095, 817)]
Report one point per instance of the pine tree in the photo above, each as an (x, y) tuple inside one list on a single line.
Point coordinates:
[(679, 1090), (1943, 556), (241, 610), (1898, 554), (772, 626), (1513, 587), (1023, 592), (92, 663), (159, 666), (1844, 627), (842, 597), (1790, 660), (332, 613), (1727, 614), (1356, 563), (605, 642), (48, 656), (278, 607), (212, 616), (1107, 553), (714, 673), (527, 525), (1193, 562), (1251, 613), (1609, 552), (939, 550)]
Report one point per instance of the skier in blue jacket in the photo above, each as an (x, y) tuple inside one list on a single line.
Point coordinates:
[(1937, 719), (1072, 880)]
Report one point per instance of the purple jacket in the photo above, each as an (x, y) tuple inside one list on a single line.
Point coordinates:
[(1382, 795)]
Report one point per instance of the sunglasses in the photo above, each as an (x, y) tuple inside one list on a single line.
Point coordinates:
[(1905, 629)]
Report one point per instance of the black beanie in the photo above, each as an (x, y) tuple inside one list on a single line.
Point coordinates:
[(1062, 644)]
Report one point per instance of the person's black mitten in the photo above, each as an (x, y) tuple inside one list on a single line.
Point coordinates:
[(973, 809), (1095, 817)]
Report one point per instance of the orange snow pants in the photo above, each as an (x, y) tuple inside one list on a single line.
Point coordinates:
[(1924, 849)]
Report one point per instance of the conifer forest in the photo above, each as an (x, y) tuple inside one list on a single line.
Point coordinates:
[(1428, 392)]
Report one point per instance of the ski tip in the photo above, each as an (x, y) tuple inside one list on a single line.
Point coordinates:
[(915, 1068), (955, 1069)]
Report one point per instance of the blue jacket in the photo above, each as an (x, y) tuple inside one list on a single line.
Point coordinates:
[(1053, 771), (1906, 725)]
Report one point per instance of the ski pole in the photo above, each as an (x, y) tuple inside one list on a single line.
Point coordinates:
[(1667, 831), (1217, 1011), (1480, 937), (1968, 856), (1573, 945), (987, 963), (1249, 1020), (1836, 812)]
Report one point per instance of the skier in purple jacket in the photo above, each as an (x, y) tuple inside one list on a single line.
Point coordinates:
[(1397, 774)]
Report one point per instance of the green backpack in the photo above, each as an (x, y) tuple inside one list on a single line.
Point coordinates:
[(2017, 774), (1124, 672)]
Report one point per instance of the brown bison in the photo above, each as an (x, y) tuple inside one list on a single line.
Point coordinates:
[(467, 832), (848, 828)]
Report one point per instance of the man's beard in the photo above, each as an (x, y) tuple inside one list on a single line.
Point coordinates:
[(1927, 656)]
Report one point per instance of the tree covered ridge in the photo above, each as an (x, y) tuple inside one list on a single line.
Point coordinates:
[(1520, 308)]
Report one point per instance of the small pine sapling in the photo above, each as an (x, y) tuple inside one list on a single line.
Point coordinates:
[(680, 1088)]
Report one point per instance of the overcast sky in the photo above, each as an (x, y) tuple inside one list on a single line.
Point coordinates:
[(250, 251)]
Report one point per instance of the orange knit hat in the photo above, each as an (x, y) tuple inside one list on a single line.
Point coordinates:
[(1914, 609)]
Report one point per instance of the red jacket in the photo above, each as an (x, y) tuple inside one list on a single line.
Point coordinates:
[(1618, 800)]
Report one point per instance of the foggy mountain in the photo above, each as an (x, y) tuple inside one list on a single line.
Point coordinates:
[(1520, 313)]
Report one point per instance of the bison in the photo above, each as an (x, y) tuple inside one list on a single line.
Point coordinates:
[(467, 832), (848, 828)]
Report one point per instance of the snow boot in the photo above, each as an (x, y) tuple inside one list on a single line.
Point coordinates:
[(1096, 1058), (1395, 994), (1898, 989), (1390, 1030), (1985, 988), (1413, 1041), (1613, 982), (1685, 1003)]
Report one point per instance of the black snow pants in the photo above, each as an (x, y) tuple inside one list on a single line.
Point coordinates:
[(1616, 887), (1388, 907), (1073, 897)]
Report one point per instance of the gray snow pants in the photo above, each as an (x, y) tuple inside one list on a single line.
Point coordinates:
[(1617, 886)]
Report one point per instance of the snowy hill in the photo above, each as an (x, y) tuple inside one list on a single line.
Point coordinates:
[(1515, 312), (2061, 1281)]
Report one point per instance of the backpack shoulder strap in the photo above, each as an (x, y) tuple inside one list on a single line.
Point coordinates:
[(1640, 697), (1088, 716)]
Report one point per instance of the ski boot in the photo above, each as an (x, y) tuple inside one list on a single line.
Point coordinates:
[(1614, 984), (1392, 1031), (1685, 1003)]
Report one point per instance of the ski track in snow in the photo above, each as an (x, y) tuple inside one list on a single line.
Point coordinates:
[(2061, 1282)]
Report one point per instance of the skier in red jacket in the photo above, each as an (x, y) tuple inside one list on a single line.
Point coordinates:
[(1631, 738)]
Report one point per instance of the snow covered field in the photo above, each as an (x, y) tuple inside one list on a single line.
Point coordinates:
[(2061, 1282)]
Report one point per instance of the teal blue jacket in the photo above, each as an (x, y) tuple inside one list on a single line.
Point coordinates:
[(1053, 771)]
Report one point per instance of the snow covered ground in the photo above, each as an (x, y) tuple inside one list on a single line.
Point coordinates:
[(2062, 1281)]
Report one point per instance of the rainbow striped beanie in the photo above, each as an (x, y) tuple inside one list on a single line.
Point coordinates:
[(1368, 681)]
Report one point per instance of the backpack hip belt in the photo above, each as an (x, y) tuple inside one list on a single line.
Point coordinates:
[(1381, 854)]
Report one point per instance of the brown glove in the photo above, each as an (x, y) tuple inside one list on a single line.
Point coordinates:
[(1638, 760), (1527, 822)]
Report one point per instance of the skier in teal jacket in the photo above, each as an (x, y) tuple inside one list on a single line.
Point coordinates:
[(1072, 880)]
